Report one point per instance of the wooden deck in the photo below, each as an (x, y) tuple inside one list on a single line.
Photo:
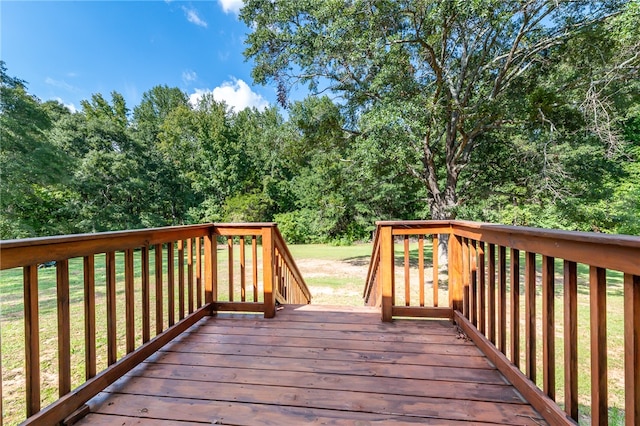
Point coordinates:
[(314, 365)]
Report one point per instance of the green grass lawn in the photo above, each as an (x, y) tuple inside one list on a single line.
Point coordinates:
[(335, 275)]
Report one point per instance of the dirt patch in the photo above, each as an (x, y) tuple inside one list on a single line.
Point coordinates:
[(313, 268)]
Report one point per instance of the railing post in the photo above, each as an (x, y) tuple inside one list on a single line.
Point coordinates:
[(210, 267), (455, 272), (268, 251), (387, 274)]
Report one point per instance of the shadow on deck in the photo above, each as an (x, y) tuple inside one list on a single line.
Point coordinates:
[(314, 365)]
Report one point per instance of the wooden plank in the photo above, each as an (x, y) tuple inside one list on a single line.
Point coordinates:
[(180, 279), (598, 305), (387, 274), (159, 296), (469, 391), (254, 257), (540, 401), (502, 299), (458, 346), (129, 301), (241, 413), (89, 316), (436, 278), (95, 419), (530, 314), (112, 323), (482, 289), (407, 271), (190, 274), (64, 327), (171, 291), (238, 306), (421, 312), (571, 339), (349, 333), (425, 407), (146, 294), (632, 348), (32, 339), (548, 327), (491, 320), (515, 306), (301, 357), (59, 410)]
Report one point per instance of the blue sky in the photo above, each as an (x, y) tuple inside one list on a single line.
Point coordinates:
[(68, 50)]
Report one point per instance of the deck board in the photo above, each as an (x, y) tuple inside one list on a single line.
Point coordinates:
[(314, 365)]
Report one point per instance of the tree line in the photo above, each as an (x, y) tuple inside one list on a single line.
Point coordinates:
[(524, 113)]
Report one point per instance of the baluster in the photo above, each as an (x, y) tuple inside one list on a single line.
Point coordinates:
[(407, 285), (571, 339), (492, 294), (190, 274), (146, 294), (112, 343), (632, 348), (421, 268), (436, 278), (199, 270), (171, 299), (465, 277), (482, 311), (598, 293), (230, 266), (473, 288), (32, 339), (254, 254), (181, 279), (242, 271), (89, 316), (548, 328), (64, 328), (515, 306), (502, 299), (129, 301), (530, 314), (159, 297)]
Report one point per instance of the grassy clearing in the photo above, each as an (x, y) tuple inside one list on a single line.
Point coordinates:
[(334, 274)]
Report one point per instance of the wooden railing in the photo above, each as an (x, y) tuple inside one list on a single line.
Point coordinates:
[(503, 291), (130, 293)]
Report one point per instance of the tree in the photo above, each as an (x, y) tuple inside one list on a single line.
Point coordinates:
[(30, 166), (427, 81)]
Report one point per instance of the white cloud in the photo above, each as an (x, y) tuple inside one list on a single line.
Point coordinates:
[(236, 94), (192, 16), (231, 5), (71, 107), (60, 84), (188, 76)]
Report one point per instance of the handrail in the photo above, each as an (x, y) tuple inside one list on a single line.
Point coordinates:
[(487, 267), (372, 272), (294, 288), (170, 277)]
